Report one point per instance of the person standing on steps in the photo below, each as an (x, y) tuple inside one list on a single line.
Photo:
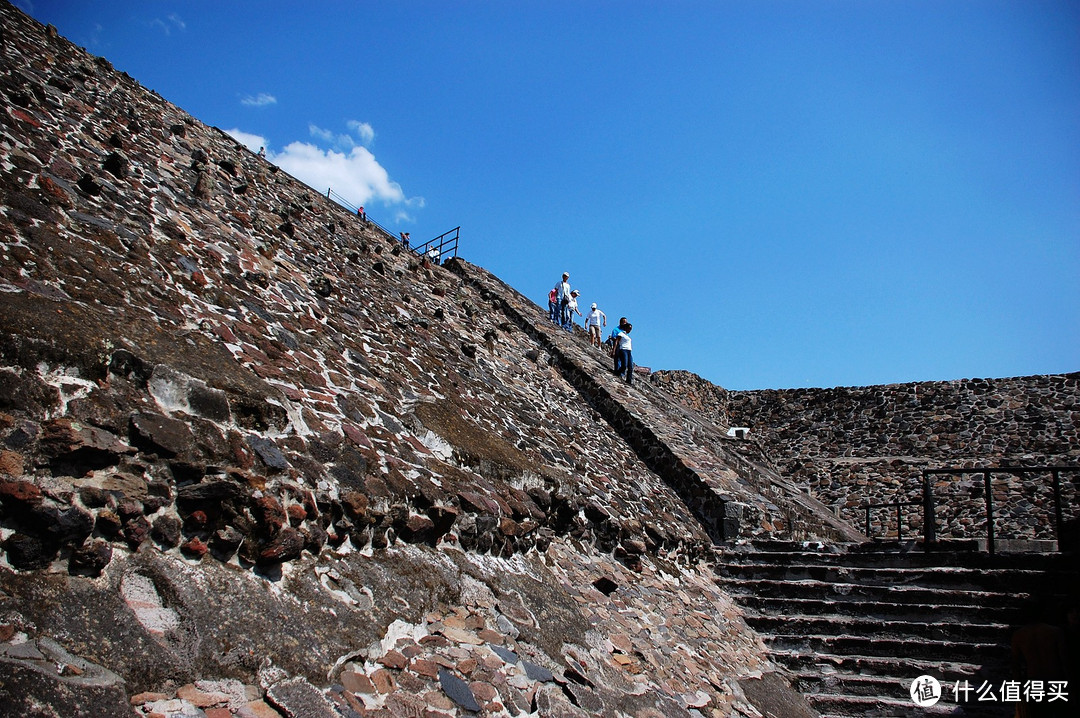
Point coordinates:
[(614, 341), (571, 309), (622, 347), (592, 325), (553, 305), (564, 299)]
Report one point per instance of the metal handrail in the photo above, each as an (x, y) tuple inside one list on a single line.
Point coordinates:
[(928, 500), (436, 249), (929, 516), (899, 515)]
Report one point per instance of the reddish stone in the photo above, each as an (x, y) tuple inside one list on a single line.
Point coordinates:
[(257, 709), (147, 697), (383, 680), (270, 512), (394, 659), (436, 641), (483, 691), (490, 636), (195, 547), (137, 531), (476, 503), (11, 463), (287, 545), (355, 504), (198, 518), (357, 436), (297, 514), (21, 491), (417, 523), (428, 669), (357, 682), (25, 117)]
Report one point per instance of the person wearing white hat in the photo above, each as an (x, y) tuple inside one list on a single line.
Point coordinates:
[(564, 299), (571, 309), (593, 323)]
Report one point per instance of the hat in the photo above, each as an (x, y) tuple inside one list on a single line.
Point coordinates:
[(575, 293), (593, 304), (566, 274)]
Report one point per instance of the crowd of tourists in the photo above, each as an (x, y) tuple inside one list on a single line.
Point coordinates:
[(563, 305)]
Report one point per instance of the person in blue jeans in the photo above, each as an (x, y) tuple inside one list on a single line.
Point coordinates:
[(614, 341), (564, 299), (622, 350)]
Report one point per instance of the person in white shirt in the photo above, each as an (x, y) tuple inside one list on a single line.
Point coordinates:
[(622, 349), (592, 325), (571, 309), (564, 299)]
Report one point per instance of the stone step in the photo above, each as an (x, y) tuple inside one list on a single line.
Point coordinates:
[(846, 591), (899, 650), (943, 577), (816, 682), (889, 669), (856, 557), (856, 626), (867, 626), (843, 706), (809, 607)]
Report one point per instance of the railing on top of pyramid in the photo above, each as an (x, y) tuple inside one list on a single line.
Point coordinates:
[(438, 249)]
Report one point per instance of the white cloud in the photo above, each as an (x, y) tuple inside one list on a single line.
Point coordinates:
[(252, 142), (172, 22), (345, 142), (357, 175), (339, 142), (260, 100), (363, 130), (354, 174)]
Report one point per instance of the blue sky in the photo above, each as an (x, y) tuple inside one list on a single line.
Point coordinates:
[(777, 194)]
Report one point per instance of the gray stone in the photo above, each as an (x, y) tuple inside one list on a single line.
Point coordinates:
[(297, 698), (458, 690)]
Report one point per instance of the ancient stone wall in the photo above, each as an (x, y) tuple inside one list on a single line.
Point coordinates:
[(256, 455), (858, 445)]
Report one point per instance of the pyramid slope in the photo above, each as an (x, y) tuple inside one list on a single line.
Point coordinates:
[(256, 455)]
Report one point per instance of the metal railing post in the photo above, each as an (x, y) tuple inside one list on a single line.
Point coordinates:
[(1058, 518), (989, 512), (899, 522), (929, 522), (868, 522)]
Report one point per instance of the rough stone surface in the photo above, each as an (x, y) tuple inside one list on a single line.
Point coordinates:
[(851, 446), (258, 458)]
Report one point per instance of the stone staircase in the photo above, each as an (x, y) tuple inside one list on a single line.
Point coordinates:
[(856, 624)]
